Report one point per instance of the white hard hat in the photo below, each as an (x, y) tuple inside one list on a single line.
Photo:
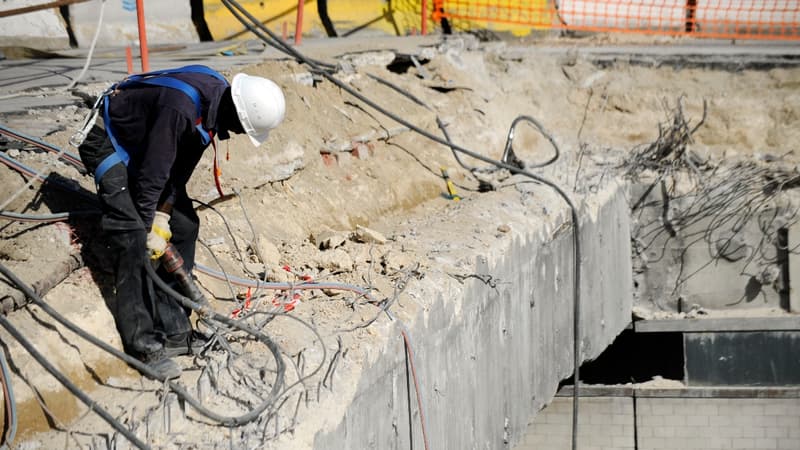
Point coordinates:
[(260, 105)]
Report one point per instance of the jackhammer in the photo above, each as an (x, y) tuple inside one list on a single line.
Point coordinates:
[(173, 263)]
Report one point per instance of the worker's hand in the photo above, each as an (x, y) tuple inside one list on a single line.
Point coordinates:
[(159, 235)]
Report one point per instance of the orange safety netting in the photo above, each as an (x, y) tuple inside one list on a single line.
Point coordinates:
[(728, 19)]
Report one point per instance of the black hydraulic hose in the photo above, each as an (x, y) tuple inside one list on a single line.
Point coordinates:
[(443, 127), (204, 311), (76, 391), (11, 403), (513, 169), (71, 158), (135, 363), (508, 152), (46, 218), (255, 28), (31, 172), (20, 167), (322, 10)]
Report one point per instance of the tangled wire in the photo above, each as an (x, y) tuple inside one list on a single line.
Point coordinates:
[(734, 209)]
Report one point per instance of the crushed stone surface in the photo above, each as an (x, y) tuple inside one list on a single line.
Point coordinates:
[(342, 194)]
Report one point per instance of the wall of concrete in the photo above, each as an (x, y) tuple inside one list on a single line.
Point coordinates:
[(699, 272), (669, 423), (490, 357), (166, 23), (43, 30)]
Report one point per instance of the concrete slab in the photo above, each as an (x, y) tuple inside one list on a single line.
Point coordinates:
[(726, 324), (794, 269), (43, 29), (167, 23)]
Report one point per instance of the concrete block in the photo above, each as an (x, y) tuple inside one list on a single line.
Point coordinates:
[(687, 432), (653, 443), (651, 421), (753, 432), (753, 409), (697, 420), (558, 418), (777, 409), (644, 432), (794, 269), (719, 442), (43, 30), (744, 420), (731, 431), (766, 443), (744, 443), (776, 432), (788, 422), (788, 444), (620, 442), (622, 419), (662, 409), (664, 432), (675, 421), (167, 23), (720, 420), (705, 409)]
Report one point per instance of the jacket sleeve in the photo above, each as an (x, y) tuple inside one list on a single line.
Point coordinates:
[(159, 152)]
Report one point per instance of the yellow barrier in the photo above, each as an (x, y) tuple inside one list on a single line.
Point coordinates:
[(727, 19), (349, 16), (734, 19)]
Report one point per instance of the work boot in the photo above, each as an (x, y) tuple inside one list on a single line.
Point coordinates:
[(189, 343), (164, 367)]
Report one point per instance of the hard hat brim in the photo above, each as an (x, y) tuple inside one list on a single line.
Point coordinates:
[(257, 132), (258, 140)]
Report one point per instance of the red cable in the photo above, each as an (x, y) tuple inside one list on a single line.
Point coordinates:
[(416, 387)]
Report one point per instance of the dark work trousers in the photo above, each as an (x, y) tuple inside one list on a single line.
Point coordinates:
[(144, 315)]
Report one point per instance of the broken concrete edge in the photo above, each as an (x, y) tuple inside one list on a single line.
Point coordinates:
[(17, 299), (718, 324), (494, 351), (686, 392)]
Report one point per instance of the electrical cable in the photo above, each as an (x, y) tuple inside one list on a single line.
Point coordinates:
[(76, 391), (206, 312), (46, 218), (11, 404), (231, 4), (278, 286), (31, 172), (417, 385), (146, 369), (276, 42), (38, 175), (91, 47), (69, 157)]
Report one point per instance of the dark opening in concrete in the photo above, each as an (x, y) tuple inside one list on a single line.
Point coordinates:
[(636, 358)]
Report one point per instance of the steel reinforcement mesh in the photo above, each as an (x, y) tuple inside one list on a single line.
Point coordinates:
[(728, 19)]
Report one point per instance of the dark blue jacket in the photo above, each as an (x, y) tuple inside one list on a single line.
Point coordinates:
[(156, 126)]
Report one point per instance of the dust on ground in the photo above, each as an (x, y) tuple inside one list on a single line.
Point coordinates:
[(334, 166)]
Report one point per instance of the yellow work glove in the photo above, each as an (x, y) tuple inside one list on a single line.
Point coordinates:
[(159, 235)]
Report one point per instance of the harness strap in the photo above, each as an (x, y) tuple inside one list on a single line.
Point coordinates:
[(119, 155), (157, 78), (190, 92)]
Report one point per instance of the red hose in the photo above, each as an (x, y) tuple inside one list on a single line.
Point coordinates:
[(142, 36)]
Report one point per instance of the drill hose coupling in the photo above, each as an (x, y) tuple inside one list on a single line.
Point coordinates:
[(173, 263)]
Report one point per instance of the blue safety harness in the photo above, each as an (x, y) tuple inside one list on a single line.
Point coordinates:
[(155, 78)]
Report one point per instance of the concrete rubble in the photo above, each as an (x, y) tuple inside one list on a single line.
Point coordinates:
[(477, 293)]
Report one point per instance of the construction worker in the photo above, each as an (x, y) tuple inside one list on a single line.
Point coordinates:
[(154, 130)]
